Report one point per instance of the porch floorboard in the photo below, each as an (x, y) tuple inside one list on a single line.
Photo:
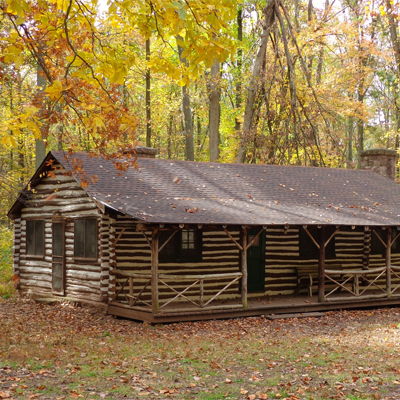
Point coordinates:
[(283, 304)]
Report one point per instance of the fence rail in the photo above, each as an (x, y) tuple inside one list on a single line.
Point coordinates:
[(135, 298), (368, 278)]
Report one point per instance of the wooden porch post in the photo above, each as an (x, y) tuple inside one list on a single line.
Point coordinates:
[(388, 262), (154, 272), (321, 266), (244, 268)]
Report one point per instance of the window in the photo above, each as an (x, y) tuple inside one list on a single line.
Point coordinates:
[(307, 247), (85, 238), (35, 237), (377, 246), (184, 246)]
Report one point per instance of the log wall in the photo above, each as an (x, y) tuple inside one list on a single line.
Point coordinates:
[(16, 245), (282, 255), (220, 255), (83, 279)]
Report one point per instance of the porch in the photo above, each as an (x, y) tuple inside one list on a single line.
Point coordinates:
[(355, 289), (283, 304)]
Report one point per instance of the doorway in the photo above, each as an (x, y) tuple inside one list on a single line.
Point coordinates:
[(58, 258), (256, 262)]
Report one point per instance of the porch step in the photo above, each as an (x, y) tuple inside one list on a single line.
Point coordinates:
[(296, 315)]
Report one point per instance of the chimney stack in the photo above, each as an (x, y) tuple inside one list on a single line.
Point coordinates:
[(141, 151), (381, 161)]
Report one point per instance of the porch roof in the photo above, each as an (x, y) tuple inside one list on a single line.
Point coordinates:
[(170, 191)]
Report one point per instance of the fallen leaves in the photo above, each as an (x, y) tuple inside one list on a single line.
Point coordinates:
[(336, 356)]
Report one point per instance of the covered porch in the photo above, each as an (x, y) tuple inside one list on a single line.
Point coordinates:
[(155, 296), (285, 304)]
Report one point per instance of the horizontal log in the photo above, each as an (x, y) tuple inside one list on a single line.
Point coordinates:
[(72, 284), (354, 298), (355, 271), (83, 276), (174, 310)]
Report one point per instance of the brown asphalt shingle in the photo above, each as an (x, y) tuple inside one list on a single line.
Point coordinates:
[(166, 191)]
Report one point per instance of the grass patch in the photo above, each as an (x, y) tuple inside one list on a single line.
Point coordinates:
[(63, 351)]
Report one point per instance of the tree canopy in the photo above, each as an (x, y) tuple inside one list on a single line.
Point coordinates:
[(302, 82)]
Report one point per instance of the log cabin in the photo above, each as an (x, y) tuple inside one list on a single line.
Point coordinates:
[(178, 241)]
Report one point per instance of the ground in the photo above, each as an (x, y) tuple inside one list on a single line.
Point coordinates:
[(65, 352)]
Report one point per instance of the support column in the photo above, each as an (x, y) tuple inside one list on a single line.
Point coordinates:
[(154, 272), (244, 268), (388, 262), (321, 266)]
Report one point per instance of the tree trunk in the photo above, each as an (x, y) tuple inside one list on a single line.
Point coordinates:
[(148, 98), (214, 111), (40, 146), (239, 61), (269, 12), (394, 38), (187, 114)]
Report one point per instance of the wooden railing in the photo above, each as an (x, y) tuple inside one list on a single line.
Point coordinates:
[(351, 280), (136, 299)]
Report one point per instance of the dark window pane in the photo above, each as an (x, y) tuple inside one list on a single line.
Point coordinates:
[(79, 238), (39, 237), (91, 238), (58, 230), (30, 237)]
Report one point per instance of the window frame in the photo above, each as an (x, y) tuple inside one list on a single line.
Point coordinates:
[(35, 254), (175, 251), (307, 248), (84, 258)]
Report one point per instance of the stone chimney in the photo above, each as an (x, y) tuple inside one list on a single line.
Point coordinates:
[(141, 151), (381, 161)]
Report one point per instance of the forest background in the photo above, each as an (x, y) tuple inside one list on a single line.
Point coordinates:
[(303, 82)]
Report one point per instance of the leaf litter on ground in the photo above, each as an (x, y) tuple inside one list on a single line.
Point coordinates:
[(67, 352)]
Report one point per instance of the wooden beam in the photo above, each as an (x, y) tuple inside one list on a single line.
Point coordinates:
[(165, 243), (147, 239), (388, 262), (155, 306), (311, 236), (396, 237), (233, 240), (254, 239), (321, 266), (244, 267), (331, 237), (119, 236), (382, 241)]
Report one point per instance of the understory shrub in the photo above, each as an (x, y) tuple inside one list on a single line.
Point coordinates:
[(6, 270)]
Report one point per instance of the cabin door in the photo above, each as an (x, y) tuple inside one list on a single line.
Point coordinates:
[(256, 262), (58, 258)]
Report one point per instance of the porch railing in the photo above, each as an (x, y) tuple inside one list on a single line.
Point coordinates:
[(351, 281), (127, 282)]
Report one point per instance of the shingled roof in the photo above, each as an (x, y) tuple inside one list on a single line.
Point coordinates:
[(167, 191)]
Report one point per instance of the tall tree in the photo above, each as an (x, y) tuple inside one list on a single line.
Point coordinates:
[(187, 111), (214, 111), (148, 95)]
